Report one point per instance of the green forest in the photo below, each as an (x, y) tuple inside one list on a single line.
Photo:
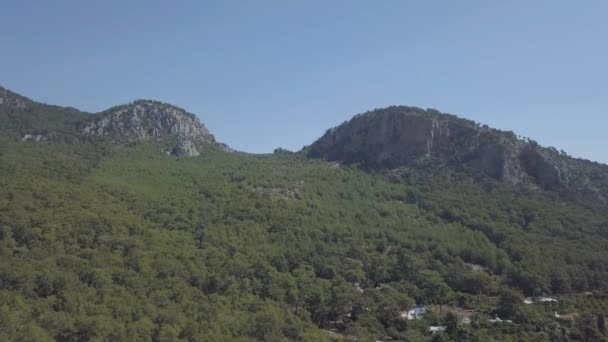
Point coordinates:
[(107, 242)]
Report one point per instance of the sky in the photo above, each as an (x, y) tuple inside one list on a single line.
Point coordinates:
[(265, 74)]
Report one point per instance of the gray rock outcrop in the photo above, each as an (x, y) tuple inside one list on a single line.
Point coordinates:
[(389, 139), (147, 119), (404, 136), (143, 119), (185, 148), (34, 137)]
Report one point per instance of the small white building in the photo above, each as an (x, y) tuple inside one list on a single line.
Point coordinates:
[(542, 299), (547, 300), (436, 329), (497, 319), (416, 313)]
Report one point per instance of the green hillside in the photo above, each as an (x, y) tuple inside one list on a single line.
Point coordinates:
[(19, 116), (106, 242)]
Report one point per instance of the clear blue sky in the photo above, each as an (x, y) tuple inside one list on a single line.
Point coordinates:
[(265, 74)]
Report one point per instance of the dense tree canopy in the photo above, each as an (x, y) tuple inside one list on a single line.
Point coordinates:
[(106, 242)]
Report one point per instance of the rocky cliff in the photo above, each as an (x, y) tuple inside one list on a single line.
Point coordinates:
[(388, 138), (406, 136), (144, 119), (31, 121)]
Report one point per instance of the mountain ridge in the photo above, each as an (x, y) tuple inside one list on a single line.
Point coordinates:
[(400, 136), (137, 120), (391, 137), (5, 92)]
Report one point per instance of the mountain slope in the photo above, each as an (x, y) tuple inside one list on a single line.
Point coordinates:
[(140, 120), (20, 116), (405, 136), (108, 238)]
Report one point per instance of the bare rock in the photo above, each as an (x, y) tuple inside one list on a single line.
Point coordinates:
[(147, 119), (403, 136), (185, 148), (34, 137), (392, 137)]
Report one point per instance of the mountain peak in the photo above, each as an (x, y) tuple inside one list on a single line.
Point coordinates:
[(392, 137), (143, 119), (139, 120), (400, 136)]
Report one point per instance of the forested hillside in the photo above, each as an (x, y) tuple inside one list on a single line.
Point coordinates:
[(108, 241)]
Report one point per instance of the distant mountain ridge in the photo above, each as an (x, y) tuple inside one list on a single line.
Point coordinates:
[(144, 119), (388, 138), (139, 120), (402, 136)]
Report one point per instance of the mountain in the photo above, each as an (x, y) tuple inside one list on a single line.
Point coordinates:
[(22, 118), (139, 120), (402, 136), (133, 224), (145, 119)]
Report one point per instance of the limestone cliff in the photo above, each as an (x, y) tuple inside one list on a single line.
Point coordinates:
[(388, 138), (147, 119), (182, 133), (150, 119), (407, 136)]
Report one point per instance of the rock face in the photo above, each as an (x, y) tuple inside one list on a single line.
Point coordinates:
[(181, 133), (406, 136), (34, 137), (387, 138), (185, 148), (149, 120)]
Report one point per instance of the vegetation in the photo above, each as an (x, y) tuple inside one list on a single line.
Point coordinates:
[(101, 241), (20, 115), (107, 242)]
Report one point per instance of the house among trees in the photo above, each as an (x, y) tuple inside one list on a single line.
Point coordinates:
[(415, 313), (541, 299), (547, 300), (497, 319), (567, 317), (436, 329)]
